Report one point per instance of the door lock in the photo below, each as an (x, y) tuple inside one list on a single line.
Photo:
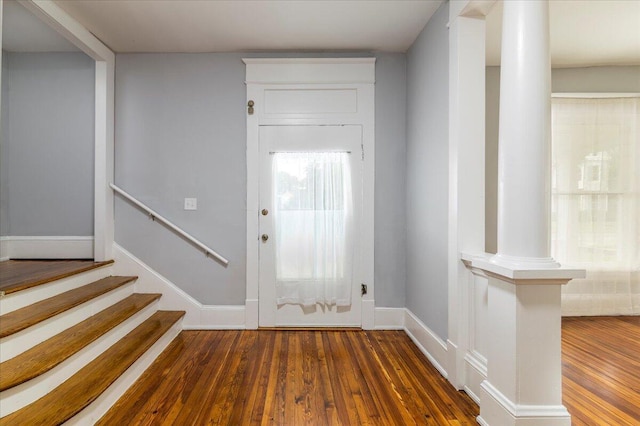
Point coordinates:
[(264, 237)]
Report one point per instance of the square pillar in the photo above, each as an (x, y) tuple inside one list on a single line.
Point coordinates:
[(524, 365)]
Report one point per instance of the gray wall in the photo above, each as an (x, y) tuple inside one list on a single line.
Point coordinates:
[(596, 79), (390, 192), (181, 132), (4, 128), (492, 101), (47, 144), (623, 79), (427, 173)]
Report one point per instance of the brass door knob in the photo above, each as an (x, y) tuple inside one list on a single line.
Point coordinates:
[(264, 237), (265, 212)]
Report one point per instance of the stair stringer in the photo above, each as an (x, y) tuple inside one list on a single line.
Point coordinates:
[(198, 316)]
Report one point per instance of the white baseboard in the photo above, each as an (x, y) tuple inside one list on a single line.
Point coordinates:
[(475, 366), (47, 247), (198, 316), (497, 409), (434, 348), (389, 318)]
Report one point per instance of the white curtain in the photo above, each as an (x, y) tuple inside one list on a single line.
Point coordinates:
[(595, 203), (313, 214)]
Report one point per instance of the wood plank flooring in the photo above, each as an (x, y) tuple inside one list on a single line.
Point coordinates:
[(289, 377), (18, 275), (601, 370)]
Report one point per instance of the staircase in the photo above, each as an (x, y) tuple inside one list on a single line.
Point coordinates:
[(73, 339)]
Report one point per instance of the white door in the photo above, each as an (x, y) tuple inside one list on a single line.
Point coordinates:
[(310, 216)]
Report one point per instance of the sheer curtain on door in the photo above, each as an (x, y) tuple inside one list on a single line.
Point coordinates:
[(313, 214), (595, 203)]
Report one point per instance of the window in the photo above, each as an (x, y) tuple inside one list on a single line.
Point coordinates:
[(313, 222), (595, 220)]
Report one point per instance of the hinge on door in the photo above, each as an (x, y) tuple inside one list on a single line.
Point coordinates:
[(363, 289), (362, 147)]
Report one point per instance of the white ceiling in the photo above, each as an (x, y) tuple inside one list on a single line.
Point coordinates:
[(583, 32), (224, 26)]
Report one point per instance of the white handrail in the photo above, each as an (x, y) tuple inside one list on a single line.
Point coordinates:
[(207, 250)]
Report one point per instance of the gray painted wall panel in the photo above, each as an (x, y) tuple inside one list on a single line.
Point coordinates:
[(4, 165), (427, 173), (492, 100), (47, 150), (596, 79), (390, 192), (181, 132)]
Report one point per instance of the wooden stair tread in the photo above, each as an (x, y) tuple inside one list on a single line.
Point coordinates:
[(16, 275), (23, 318), (88, 383), (48, 354)]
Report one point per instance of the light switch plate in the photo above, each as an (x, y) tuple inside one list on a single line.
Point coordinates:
[(191, 204)]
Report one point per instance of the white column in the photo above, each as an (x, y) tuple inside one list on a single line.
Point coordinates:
[(525, 136), (524, 373)]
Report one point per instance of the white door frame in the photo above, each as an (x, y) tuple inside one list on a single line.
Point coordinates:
[(331, 83)]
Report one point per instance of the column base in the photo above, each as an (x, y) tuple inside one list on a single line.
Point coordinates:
[(497, 409)]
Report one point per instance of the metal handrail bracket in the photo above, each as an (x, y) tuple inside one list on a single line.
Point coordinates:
[(157, 217)]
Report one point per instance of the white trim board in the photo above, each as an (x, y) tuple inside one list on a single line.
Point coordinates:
[(47, 247), (584, 95), (432, 346), (198, 316)]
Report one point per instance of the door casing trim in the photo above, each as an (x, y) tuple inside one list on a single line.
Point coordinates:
[(356, 74)]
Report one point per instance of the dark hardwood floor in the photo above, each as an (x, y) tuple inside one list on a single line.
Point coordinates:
[(361, 377), (601, 370), (292, 378)]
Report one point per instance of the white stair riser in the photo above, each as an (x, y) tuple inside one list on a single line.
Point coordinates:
[(17, 397), (17, 343), (20, 299), (104, 402)]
